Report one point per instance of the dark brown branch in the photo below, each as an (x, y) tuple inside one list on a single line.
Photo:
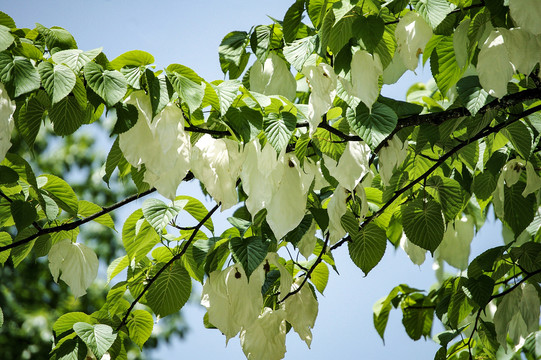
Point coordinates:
[(196, 129), (74, 224), (169, 263)]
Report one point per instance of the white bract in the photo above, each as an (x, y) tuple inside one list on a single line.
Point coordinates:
[(524, 49), (412, 34), (217, 164), (161, 144), (301, 311), (365, 72), (77, 263), (533, 181), (322, 82), (526, 14), (265, 338), (455, 246), (494, 65), (7, 108), (231, 300), (352, 165), (273, 78), (391, 155), (307, 243), (416, 253), (336, 208)]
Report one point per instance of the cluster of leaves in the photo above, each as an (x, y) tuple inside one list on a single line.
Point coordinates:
[(316, 160)]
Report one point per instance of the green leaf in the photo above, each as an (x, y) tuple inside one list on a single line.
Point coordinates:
[(519, 211), (98, 338), (232, 51), (1, 318), (67, 116), (459, 306), (317, 9), (195, 208), (367, 247), (66, 322), (140, 325), (369, 31), (533, 344), (19, 73), (433, 11), (250, 252), (113, 158), (245, 122), (189, 91), (5, 239), (117, 266), (58, 80), (372, 126), (299, 51), (320, 277), (111, 86), (449, 194), (126, 117), (479, 290), (8, 175), (57, 38), (6, 39), (520, 137), (24, 213), (30, 116), (444, 66), (75, 59), (19, 253), (159, 89), (132, 58), (159, 215), (86, 209), (471, 93), (340, 33), (401, 108), (260, 41), (60, 192), (292, 21), (423, 223), (226, 92), (6, 20), (170, 291), (417, 318), (279, 129)]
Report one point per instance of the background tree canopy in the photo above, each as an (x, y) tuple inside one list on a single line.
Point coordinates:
[(299, 140)]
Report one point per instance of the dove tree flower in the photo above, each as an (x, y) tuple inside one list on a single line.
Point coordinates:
[(7, 108)]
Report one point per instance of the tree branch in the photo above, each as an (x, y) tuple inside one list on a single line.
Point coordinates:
[(169, 263)]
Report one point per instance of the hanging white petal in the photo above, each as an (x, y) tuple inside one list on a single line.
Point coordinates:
[(231, 300), (77, 264), (391, 155), (512, 170), (412, 34), (217, 163), (273, 78), (285, 277), (161, 145), (523, 48), (365, 72), (307, 243), (416, 253), (265, 338), (7, 108), (336, 208), (394, 70), (352, 165), (533, 181), (526, 14), (288, 204), (494, 65), (455, 246), (322, 82), (301, 311)]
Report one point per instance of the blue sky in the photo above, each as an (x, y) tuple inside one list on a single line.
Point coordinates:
[(189, 33)]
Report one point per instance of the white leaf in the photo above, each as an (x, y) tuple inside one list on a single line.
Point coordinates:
[(412, 34), (365, 72), (307, 243), (285, 277), (231, 301), (336, 208), (161, 144), (533, 181), (391, 155), (265, 338), (511, 171), (217, 163), (288, 204), (524, 49), (461, 43), (526, 14), (7, 108), (494, 65), (352, 165), (301, 311), (394, 70), (77, 263), (507, 309), (455, 246), (416, 253), (322, 82), (273, 78)]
